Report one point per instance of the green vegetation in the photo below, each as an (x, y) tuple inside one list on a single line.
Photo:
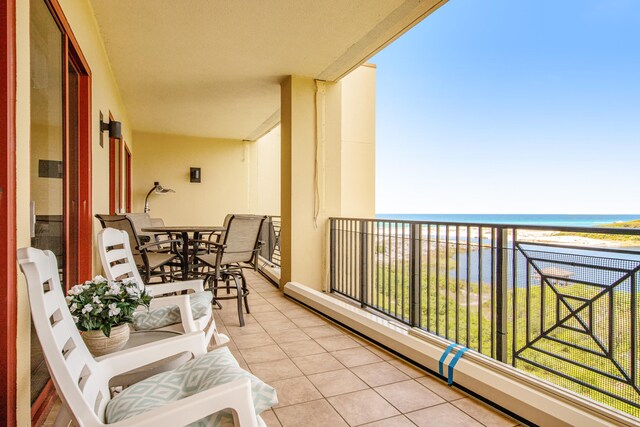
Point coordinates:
[(626, 238), (462, 311)]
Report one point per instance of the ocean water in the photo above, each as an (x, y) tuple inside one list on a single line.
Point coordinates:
[(517, 219)]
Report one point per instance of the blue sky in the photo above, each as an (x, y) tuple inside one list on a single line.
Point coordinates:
[(506, 106)]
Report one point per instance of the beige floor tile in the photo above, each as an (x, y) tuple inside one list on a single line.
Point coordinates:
[(362, 407), (302, 348), (337, 382), (289, 335), (441, 388), (358, 338), (280, 302), (270, 419), (231, 316), (252, 340), (273, 371), (408, 369), (256, 300), (484, 414), (261, 308), (382, 354), (266, 293), (269, 316), (253, 328), (266, 353), (317, 363), (442, 415), (409, 395), (378, 374), (322, 331), (318, 413), (231, 345), (336, 343), (278, 325), (307, 322), (357, 356), (295, 390), (399, 421), (298, 312), (235, 321)]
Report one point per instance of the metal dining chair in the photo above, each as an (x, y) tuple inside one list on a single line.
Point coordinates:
[(151, 264), (236, 248)]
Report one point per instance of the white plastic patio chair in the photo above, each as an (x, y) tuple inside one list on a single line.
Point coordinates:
[(118, 263), (82, 381)]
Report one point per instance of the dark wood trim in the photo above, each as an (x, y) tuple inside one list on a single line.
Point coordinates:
[(113, 191), (41, 407), (85, 180), (61, 19), (127, 171), (8, 243)]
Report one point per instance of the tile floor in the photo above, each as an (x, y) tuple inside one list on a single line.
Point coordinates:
[(326, 376)]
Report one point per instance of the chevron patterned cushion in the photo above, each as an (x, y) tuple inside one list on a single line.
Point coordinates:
[(160, 317), (207, 371)]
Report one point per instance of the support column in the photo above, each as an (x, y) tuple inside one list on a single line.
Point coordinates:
[(310, 185)]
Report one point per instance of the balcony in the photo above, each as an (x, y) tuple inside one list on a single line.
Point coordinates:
[(327, 376), (563, 313), (205, 95)]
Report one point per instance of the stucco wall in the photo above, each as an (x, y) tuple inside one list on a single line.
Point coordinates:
[(104, 96), (268, 173), (358, 143), (227, 186)]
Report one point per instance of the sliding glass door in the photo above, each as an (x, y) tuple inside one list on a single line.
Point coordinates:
[(60, 156), (47, 156)]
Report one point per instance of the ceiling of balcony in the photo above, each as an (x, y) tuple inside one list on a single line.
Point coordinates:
[(212, 68)]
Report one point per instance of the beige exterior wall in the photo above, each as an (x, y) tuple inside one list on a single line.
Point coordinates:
[(331, 127), (358, 143), (228, 178), (105, 97), (268, 173)]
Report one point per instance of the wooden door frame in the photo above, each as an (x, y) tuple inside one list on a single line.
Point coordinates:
[(84, 266), (127, 171), (115, 144), (8, 245)]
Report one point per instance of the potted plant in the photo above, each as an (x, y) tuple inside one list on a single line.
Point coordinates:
[(102, 310)]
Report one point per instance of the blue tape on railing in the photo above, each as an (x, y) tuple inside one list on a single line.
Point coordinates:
[(453, 364), (444, 356)]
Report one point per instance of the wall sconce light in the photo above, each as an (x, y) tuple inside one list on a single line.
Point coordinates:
[(114, 128), (195, 175), (157, 188)]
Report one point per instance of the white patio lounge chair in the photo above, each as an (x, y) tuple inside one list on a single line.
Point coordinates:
[(181, 313), (210, 383)]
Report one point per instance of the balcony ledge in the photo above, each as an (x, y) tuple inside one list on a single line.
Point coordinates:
[(530, 398)]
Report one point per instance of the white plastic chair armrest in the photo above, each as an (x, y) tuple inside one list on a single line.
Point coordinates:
[(184, 305), (167, 288), (133, 358), (235, 395)]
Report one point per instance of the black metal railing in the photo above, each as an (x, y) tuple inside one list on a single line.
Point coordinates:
[(270, 237), (523, 295)]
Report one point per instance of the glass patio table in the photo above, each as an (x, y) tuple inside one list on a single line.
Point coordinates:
[(184, 231)]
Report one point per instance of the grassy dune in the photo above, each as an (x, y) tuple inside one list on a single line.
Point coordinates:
[(628, 239)]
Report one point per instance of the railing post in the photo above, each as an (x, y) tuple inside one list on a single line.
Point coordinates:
[(501, 295), (332, 254), (415, 249), (364, 264)]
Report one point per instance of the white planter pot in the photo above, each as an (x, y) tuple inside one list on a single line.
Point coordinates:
[(99, 344)]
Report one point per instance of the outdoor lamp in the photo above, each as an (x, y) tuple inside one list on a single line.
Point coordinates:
[(157, 188), (114, 128)]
